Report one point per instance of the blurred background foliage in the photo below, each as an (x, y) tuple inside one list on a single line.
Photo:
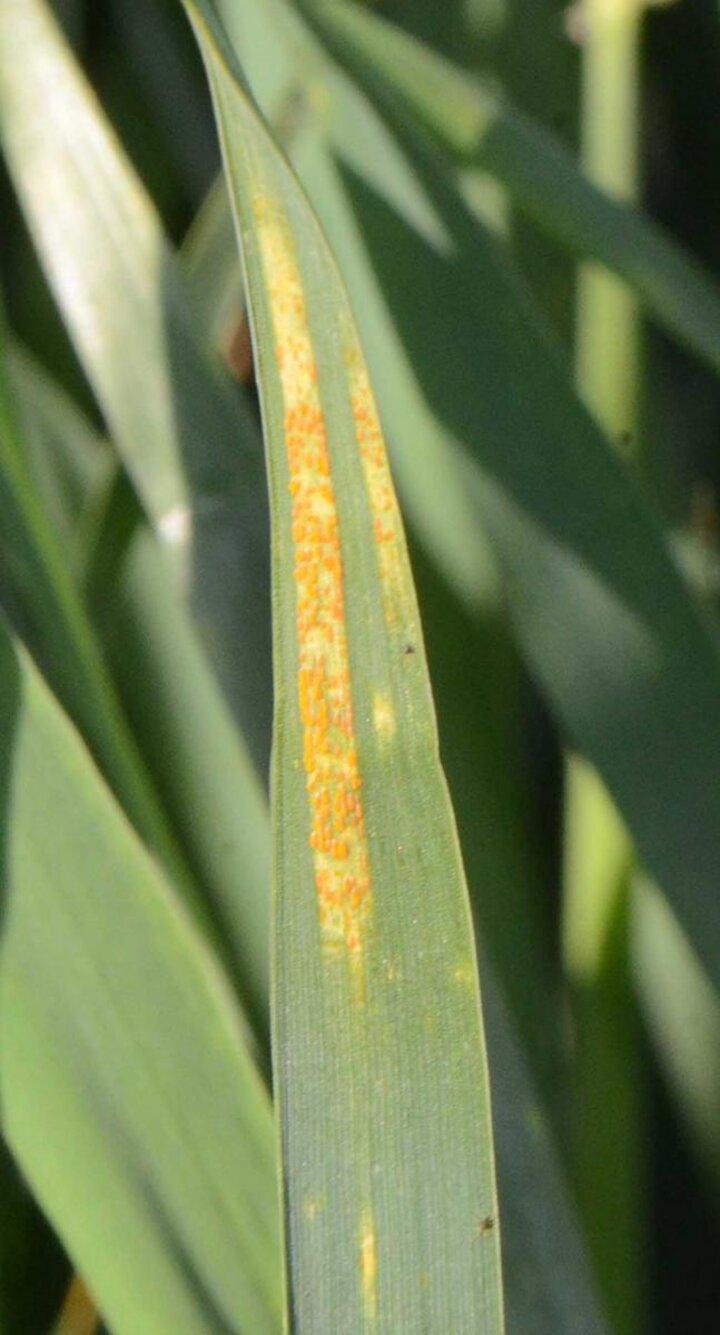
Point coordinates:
[(627, 1063)]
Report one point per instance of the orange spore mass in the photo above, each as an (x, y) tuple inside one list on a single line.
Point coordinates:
[(337, 833), (387, 526)]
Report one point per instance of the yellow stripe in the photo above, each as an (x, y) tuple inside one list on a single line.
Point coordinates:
[(368, 1264), (387, 524), (337, 828)]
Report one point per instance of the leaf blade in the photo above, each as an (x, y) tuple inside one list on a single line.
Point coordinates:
[(53, 615), (481, 131), (121, 1049), (611, 632), (182, 429), (366, 1232), (178, 714)]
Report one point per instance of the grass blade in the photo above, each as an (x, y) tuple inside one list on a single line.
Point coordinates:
[(374, 1084), (179, 716), (472, 623), (126, 1092), (681, 1009), (611, 631), (34, 572), (212, 269), (548, 1285), (187, 441), (474, 124), (608, 1156)]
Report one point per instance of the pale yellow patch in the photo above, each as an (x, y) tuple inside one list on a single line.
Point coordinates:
[(384, 721), (319, 98), (464, 973), (312, 1206), (368, 1263)]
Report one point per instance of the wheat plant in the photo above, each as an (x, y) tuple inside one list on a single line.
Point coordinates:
[(359, 672)]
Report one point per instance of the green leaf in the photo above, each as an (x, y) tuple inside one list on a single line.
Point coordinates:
[(36, 579), (158, 81), (537, 1216), (188, 736), (126, 1092), (269, 37), (391, 1216), (465, 619), (66, 459), (472, 122), (682, 1012), (184, 434), (481, 698), (609, 628), (548, 1286), (212, 268), (179, 716)]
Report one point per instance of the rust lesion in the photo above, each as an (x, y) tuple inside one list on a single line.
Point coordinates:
[(333, 782), (386, 521)]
